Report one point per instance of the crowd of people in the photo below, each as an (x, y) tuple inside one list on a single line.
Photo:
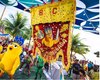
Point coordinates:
[(26, 58), (83, 70), (79, 69), (3, 45)]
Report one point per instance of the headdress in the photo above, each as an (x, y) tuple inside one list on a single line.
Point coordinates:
[(19, 40)]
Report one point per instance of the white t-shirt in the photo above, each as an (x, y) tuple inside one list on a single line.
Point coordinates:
[(24, 53)]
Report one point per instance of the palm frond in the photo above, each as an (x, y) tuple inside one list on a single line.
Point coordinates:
[(9, 30), (8, 23), (78, 46), (16, 25)]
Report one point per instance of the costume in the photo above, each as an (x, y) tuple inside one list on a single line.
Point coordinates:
[(1, 48), (1, 55), (11, 60), (40, 65)]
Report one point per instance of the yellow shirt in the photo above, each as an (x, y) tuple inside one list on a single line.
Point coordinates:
[(1, 48)]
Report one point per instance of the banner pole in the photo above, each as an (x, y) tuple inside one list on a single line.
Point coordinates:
[(3, 12), (50, 71)]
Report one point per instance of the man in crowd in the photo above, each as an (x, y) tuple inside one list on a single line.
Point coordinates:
[(76, 67), (39, 65)]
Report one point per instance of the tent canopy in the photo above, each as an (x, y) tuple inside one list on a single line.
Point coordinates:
[(87, 14)]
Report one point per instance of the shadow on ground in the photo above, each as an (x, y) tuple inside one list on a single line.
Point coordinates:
[(22, 75)]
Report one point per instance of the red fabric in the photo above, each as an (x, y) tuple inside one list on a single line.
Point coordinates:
[(26, 48), (49, 53), (30, 51)]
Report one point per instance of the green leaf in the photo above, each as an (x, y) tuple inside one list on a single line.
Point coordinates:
[(78, 46), (16, 25)]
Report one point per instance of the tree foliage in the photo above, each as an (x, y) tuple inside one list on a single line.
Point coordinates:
[(16, 25), (78, 46)]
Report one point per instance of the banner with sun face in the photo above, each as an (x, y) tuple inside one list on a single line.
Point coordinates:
[(52, 30)]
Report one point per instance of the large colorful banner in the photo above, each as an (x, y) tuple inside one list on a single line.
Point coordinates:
[(52, 28)]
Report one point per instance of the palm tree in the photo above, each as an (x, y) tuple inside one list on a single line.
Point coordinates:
[(16, 25), (28, 35), (78, 46), (1, 25)]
